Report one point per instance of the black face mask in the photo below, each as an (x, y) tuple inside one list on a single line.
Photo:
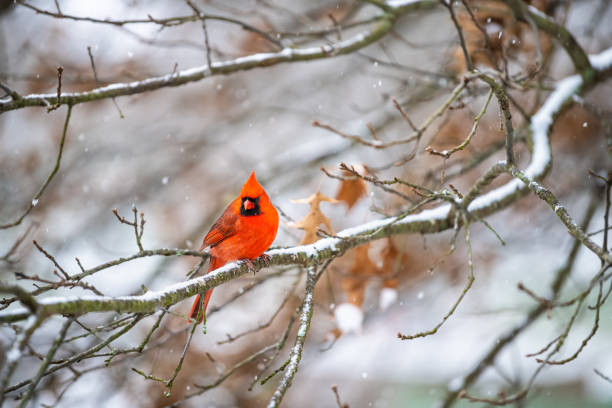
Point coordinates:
[(251, 202)]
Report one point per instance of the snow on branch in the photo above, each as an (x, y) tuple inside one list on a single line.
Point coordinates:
[(288, 54), (427, 221)]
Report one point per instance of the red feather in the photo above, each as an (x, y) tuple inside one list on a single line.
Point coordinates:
[(237, 235)]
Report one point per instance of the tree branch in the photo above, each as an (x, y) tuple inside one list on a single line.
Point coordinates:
[(427, 221), (40, 192), (545, 23), (359, 41), (43, 367), (296, 352)]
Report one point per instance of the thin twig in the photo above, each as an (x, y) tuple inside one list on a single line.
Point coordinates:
[(488, 48), (377, 144), (52, 259), (13, 356), (504, 106), (170, 382), (203, 388), (562, 213), (561, 275), (202, 17), (40, 192), (449, 5), (380, 28), (13, 249), (60, 71), (334, 389), (93, 68), (80, 356), (43, 367), (447, 153), (280, 344), (404, 114), (378, 183), (13, 94), (599, 373), (164, 22), (267, 324), (461, 296)]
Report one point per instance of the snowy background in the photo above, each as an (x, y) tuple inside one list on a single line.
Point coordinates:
[(181, 154)]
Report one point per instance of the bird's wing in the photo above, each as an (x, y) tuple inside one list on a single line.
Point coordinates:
[(223, 228)]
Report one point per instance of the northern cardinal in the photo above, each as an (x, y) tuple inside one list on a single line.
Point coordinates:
[(244, 231)]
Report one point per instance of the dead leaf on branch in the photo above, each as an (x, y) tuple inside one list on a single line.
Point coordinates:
[(393, 263), (315, 218), (352, 188), (353, 284), (349, 314), (497, 35)]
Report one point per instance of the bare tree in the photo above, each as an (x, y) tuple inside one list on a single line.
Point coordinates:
[(429, 116)]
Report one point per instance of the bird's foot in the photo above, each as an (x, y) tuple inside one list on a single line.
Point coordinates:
[(266, 259), (250, 265)]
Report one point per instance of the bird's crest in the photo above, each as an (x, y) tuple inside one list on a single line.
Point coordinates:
[(252, 188)]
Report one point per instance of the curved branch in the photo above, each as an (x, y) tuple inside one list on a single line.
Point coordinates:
[(40, 192), (428, 221), (359, 41), (487, 359), (545, 23), (15, 352), (43, 367), (79, 356), (164, 22), (561, 212)]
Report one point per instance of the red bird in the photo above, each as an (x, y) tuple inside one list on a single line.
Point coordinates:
[(244, 231)]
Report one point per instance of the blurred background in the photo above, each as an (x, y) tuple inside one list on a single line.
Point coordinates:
[(181, 154)]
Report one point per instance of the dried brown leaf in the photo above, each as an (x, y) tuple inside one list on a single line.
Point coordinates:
[(362, 269), (505, 36), (393, 263), (315, 218), (353, 188)]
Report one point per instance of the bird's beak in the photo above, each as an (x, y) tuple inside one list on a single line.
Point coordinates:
[(248, 205)]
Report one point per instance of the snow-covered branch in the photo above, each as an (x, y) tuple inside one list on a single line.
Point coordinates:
[(427, 221), (288, 54)]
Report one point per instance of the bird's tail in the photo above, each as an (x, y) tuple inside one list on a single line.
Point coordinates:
[(195, 308)]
